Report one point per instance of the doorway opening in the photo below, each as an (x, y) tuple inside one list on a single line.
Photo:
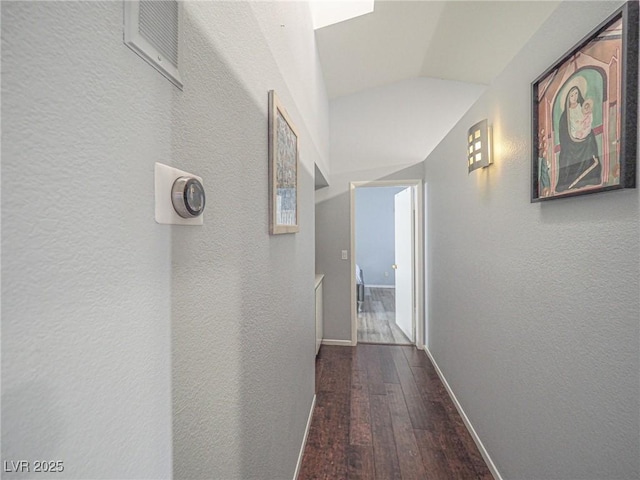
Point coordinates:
[(386, 281)]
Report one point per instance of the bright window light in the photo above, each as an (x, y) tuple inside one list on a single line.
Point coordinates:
[(328, 12)]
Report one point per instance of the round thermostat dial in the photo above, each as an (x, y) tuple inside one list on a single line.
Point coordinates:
[(187, 196)]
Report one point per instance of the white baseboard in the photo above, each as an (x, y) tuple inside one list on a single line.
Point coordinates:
[(465, 419), (304, 440), (380, 286), (340, 343)]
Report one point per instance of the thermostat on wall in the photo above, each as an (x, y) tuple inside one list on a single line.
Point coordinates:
[(180, 197), (187, 197)]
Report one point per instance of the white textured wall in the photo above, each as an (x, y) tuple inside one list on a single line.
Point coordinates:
[(137, 350), (381, 133), (287, 29), (243, 301), (534, 308), (86, 326)]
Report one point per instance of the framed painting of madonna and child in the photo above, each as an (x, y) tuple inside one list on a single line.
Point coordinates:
[(585, 108)]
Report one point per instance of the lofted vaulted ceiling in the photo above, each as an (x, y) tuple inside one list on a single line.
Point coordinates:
[(469, 41)]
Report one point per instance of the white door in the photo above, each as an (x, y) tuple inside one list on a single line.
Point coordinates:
[(404, 261)]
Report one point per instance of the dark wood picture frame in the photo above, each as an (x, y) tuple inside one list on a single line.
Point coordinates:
[(585, 114)]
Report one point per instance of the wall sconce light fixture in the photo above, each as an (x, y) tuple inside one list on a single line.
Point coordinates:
[(479, 153)]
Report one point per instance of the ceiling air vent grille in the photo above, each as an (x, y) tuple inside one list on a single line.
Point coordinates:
[(158, 23), (151, 30)]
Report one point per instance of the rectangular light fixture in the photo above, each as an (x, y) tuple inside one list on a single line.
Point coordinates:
[(479, 146)]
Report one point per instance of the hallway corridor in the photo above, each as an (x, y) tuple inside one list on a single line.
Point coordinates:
[(383, 413)]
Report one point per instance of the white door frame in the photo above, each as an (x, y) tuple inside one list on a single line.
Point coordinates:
[(418, 287)]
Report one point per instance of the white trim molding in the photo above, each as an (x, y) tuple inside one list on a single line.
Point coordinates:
[(465, 419), (419, 277), (304, 439), (339, 343)]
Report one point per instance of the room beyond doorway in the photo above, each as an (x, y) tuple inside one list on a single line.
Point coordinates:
[(385, 281)]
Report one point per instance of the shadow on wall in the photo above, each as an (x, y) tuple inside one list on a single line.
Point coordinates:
[(243, 331), (333, 235)]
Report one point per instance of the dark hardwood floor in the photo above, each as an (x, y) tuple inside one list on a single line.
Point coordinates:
[(383, 413)]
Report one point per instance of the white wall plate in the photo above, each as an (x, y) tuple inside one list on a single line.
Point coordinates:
[(165, 213)]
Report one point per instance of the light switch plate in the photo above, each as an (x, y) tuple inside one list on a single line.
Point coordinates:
[(165, 213), (345, 255)]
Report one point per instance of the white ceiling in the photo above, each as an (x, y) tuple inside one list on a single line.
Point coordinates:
[(328, 12), (469, 41)]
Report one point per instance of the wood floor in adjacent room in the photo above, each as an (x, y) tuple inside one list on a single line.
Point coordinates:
[(376, 318), (383, 413)]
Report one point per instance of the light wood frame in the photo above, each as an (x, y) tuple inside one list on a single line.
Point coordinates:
[(276, 226)]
